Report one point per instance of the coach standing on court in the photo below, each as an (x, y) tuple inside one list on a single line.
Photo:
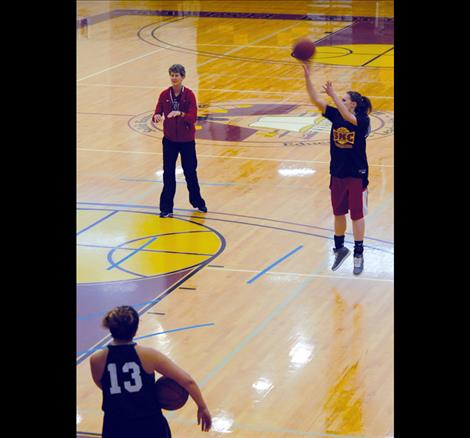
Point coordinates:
[(178, 106)]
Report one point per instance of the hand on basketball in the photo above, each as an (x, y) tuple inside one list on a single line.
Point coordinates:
[(328, 89), (306, 66), (204, 419), (174, 114), (156, 118)]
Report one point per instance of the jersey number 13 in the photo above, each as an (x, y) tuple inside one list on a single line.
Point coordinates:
[(133, 385)]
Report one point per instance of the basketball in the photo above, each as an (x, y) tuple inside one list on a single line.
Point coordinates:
[(303, 49), (170, 395)]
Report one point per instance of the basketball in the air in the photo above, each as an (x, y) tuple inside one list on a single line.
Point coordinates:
[(170, 395), (303, 49)]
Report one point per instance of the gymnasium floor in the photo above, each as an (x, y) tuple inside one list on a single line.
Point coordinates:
[(241, 297)]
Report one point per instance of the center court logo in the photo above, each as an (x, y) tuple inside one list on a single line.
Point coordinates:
[(263, 125)]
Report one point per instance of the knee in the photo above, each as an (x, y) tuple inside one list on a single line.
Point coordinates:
[(357, 218)]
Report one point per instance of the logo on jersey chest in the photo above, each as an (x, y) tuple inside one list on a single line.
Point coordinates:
[(343, 138)]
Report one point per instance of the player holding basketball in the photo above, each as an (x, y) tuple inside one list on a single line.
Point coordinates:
[(349, 169), (125, 373), (178, 105)]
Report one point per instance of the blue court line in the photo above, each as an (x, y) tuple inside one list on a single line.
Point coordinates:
[(262, 325), (257, 225), (91, 350), (90, 245), (102, 312), (176, 330), (97, 222), (132, 253), (258, 329), (251, 280), (178, 182), (106, 204), (153, 207)]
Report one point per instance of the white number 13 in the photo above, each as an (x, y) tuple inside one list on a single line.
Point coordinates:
[(130, 387)]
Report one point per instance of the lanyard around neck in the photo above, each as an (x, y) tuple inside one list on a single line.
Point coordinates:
[(172, 91)]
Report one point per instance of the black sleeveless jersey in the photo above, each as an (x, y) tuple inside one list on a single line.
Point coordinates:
[(128, 391)]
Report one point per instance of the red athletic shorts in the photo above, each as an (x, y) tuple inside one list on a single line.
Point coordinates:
[(348, 194)]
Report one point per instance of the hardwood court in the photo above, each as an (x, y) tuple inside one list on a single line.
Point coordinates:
[(242, 297)]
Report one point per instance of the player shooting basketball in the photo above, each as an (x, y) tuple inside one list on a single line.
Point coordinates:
[(349, 169)]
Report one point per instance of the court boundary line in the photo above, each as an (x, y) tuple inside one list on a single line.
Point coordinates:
[(121, 64), (152, 207), (278, 309), (191, 271), (224, 157), (95, 283), (98, 313), (147, 250), (124, 62), (217, 56), (206, 217), (222, 90), (227, 56), (156, 300), (378, 56), (184, 182), (116, 13), (217, 184), (297, 274), (261, 326), (286, 229), (289, 430), (149, 335), (133, 251), (191, 14), (143, 277), (97, 222)]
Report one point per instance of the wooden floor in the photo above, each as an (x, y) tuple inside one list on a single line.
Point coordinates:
[(241, 297)]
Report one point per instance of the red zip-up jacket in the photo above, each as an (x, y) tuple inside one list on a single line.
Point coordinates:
[(180, 128)]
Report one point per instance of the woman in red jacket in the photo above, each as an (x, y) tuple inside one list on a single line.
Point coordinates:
[(178, 106)]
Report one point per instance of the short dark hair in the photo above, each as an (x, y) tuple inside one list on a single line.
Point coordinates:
[(363, 103), (122, 322), (177, 68)]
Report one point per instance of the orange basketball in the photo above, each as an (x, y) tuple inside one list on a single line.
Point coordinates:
[(303, 49), (170, 395)]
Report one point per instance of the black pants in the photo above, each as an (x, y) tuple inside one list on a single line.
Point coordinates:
[(189, 163)]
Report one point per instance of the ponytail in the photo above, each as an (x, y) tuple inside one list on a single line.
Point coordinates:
[(363, 103)]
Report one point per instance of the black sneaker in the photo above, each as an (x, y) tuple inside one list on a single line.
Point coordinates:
[(358, 264), (203, 209), (166, 214), (340, 256)]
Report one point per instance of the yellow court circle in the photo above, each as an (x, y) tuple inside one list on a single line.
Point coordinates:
[(126, 245), (356, 55)]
